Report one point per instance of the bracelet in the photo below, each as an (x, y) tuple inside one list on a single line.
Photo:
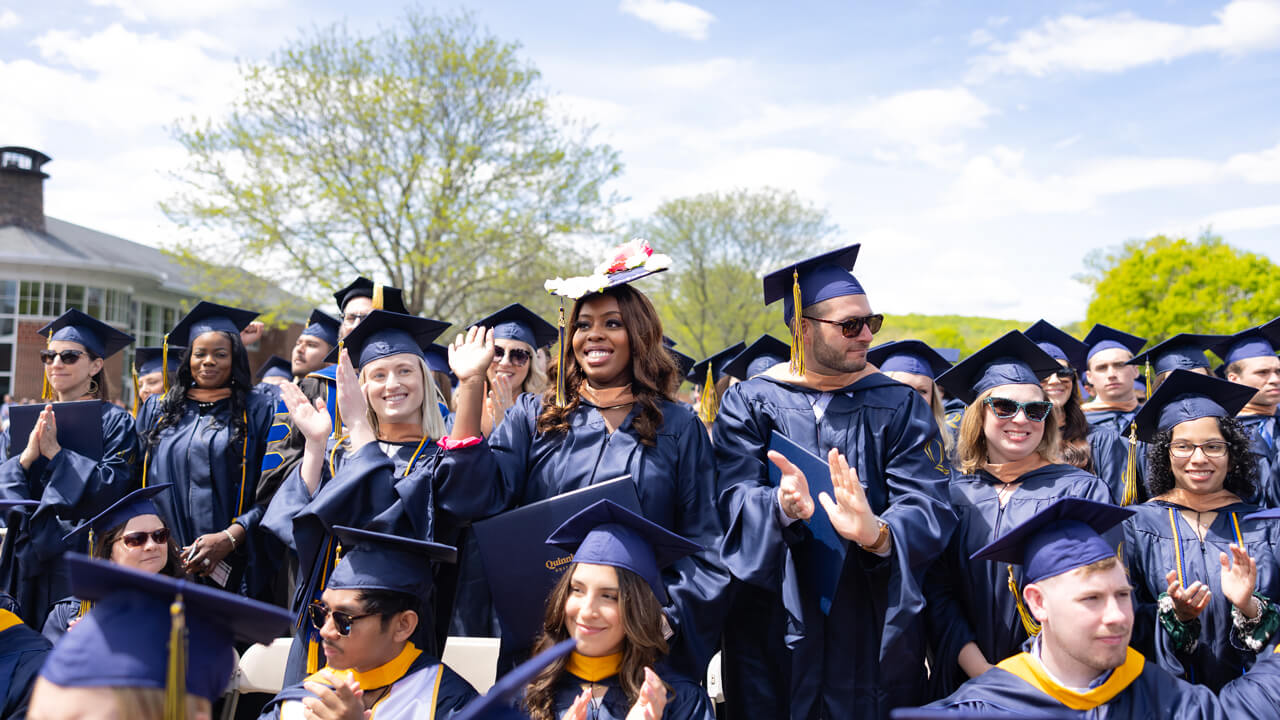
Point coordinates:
[(232, 538)]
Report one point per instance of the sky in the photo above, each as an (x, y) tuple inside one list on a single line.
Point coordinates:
[(977, 150)]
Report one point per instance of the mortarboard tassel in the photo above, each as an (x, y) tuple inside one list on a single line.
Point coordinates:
[(562, 392), (137, 394), (708, 403), (1028, 622), (46, 390), (175, 688), (85, 605), (1130, 476), (1151, 379), (377, 298), (164, 358), (797, 337)]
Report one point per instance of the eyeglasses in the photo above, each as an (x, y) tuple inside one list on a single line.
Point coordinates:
[(1004, 408), (1213, 449), (342, 621), (515, 356), (138, 539), (852, 327), (69, 357), (354, 318)]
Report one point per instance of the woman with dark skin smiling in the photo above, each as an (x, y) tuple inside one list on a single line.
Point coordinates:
[(206, 434)]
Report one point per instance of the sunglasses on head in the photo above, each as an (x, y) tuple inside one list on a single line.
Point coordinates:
[(138, 539), (852, 327), (515, 356), (342, 621), (69, 357), (1004, 408)]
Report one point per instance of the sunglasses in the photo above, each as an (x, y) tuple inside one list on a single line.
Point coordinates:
[(138, 539), (515, 356), (342, 621), (1004, 408), (852, 327), (1065, 373), (69, 357)]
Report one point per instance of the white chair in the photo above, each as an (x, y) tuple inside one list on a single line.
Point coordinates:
[(715, 681), (475, 659), (259, 670)]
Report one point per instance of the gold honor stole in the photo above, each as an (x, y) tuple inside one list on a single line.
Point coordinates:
[(593, 669), (8, 620), (414, 696), (1029, 669)]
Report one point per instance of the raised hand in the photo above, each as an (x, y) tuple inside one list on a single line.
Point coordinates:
[(335, 699), (353, 408), (793, 488), (1239, 578), (652, 700), (850, 513), (1188, 602), (49, 435), (312, 421), (471, 353), (252, 333)]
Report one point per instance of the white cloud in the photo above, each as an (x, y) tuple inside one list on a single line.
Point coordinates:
[(1118, 42), (921, 117), (8, 19), (183, 11), (670, 16), (981, 37), (1252, 218), (1259, 167)]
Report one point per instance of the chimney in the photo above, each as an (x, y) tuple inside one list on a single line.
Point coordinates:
[(22, 187)]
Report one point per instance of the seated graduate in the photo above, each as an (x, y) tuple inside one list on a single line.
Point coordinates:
[(916, 365), (128, 533), (1249, 358), (22, 650), (70, 486), (1202, 571), (709, 377), (1111, 378), (1007, 469), (367, 617), (207, 435), (152, 648), (1119, 462), (149, 371), (609, 600), (1256, 694), (1078, 592)]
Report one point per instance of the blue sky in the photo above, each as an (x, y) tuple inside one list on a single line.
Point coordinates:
[(978, 150)]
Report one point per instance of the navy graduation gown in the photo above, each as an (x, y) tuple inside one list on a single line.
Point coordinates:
[(1117, 421), (1265, 435), (60, 617), (22, 652), (71, 488), (867, 656), (1151, 551), (1110, 460), (1256, 694), (675, 481), (969, 600), (688, 701)]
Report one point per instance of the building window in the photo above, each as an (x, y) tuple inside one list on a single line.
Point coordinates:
[(29, 298), (93, 301), (52, 300), (75, 297), (8, 297)]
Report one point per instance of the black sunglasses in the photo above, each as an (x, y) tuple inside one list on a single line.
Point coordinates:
[(342, 621), (138, 539), (1004, 408), (69, 357), (1064, 373), (515, 355), (852, 327)]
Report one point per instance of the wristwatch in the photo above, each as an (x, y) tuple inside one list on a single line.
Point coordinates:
[(881, 538)]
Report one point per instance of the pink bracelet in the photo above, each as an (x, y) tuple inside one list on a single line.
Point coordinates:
[(446, 443)]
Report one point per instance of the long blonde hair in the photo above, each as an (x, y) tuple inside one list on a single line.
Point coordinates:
[(971, 446)]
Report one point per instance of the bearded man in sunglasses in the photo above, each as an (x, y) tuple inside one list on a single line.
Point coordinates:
[(827, 629)]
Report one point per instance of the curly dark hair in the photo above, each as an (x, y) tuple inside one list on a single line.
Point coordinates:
[(1242, 472), (171, 405), (655, 375)]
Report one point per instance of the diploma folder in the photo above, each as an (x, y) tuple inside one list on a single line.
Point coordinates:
[(522, 568), (821, 559), (79, 426)]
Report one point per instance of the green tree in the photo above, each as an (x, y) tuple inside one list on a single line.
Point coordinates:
[(722, 243), (425, 155), (1159, 287)]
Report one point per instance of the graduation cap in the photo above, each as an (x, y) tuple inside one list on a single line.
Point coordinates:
[(1185, 396), (383, 297), (624, 264), (386, 333), (517, 322), (96, 336), (758, 357), (668, 342), (120, 512), (1258, 341), (209, 317), (437, 357), (1059, 344), (1102, 338), (323, 326), (499, 702), (706, 374), (685, 362), (378, 561), (147, 360), (275, 366), (1060, 538), (951, 355), (146, 628), (1182, 351), (1011, 360), (809, 281), (605, 533), (910, 356)]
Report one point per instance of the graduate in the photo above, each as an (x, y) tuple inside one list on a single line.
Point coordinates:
[(1006, 471), (614, 413), (385, 473), (152, 648), (272, 373), (1078, 592), (207, 435), (69, 486), (367, 617), (518, 333), (1202, 573), (609, 600), (785, 656), (1119, 461), (149, 372), (1250, 359), (1111, 378), (22, 650), (314, 343), (915, 364)]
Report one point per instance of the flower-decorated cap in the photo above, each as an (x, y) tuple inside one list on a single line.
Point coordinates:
[(625, 264)]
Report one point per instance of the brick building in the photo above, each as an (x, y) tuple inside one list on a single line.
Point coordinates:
[(48, 265)]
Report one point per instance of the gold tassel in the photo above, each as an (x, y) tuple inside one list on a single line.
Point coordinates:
[(562, 392), (797, 337), (1130, 476), (137, 393), (708, 402), (377, 297), (1151, 378), (164, 358), (85, 605), (175, 690), (1028, 622), (313, 657), (46, 390)]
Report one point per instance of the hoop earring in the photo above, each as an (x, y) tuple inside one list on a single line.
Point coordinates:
[(93, 386)]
